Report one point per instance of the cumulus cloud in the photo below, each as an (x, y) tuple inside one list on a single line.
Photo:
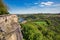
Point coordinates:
[(47, 3)]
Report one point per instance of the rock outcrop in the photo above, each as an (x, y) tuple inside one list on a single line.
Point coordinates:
[(10, 28)]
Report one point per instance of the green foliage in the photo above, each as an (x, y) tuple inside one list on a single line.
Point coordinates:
[(30, 32), (43, 28), (3, 8), (57, 37)]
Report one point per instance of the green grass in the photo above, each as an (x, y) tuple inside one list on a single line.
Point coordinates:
[(42, 23)]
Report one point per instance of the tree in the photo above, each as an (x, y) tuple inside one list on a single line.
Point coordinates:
[(3, 8)]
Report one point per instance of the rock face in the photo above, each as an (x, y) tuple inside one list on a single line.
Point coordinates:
[(10, 28)]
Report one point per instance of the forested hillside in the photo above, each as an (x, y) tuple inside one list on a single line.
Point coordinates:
[(41, 27)]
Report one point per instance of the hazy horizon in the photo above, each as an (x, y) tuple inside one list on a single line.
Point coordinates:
[(33, 6)]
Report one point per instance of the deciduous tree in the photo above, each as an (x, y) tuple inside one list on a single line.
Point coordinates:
[(3, 8)]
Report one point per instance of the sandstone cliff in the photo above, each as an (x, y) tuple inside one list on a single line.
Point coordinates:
[(10, 26)]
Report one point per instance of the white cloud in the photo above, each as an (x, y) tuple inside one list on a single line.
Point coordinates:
[(34, 10), (42, 5), (47, 3), (56, 5), (51, 7), (36, 3)]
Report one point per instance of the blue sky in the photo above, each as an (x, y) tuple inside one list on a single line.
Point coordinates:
[(33, 6)]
